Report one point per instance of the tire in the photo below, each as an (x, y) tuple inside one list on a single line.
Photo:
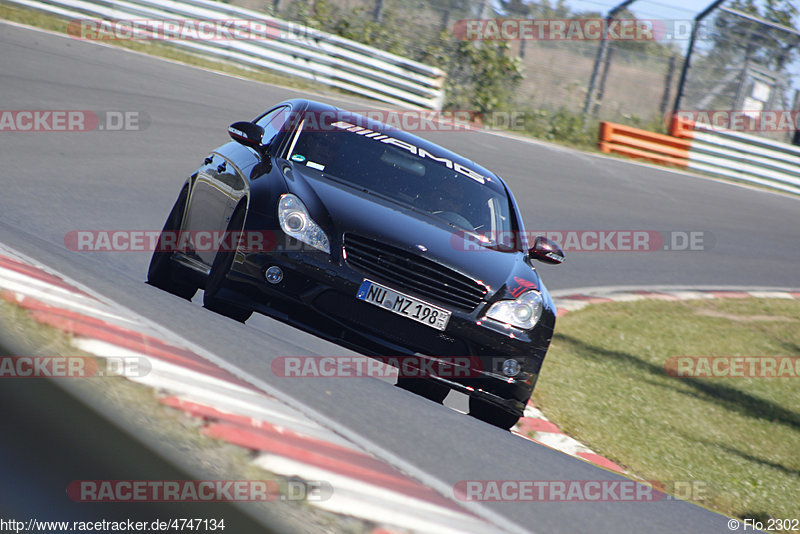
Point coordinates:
[(163, 273), (216, 278), (489, 413), (424, 388)]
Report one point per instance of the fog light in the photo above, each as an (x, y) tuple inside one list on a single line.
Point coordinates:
[(511, 367), (274, 275)]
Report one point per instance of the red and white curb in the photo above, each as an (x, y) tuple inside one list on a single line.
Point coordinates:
[(285, 441), (572, 300), (535, 426)]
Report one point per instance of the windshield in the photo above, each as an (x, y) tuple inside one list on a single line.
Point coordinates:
[(433, 185)]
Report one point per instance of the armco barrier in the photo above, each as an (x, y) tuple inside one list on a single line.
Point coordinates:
[(642, 144), (296, 50), (741, 156), (698, 146)]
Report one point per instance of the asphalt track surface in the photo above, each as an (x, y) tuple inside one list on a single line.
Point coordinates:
[(53, 183)]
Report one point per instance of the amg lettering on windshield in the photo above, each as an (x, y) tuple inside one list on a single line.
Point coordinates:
[(420, 152)]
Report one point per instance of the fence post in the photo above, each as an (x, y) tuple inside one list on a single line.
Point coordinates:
[(796, 109), (601, 89), (589, 102), (485, 10), (667, 85), (742, 85), (377, 15), (601, 56), (687, 62)]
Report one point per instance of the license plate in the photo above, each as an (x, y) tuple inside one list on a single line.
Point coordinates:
[(404, 305)]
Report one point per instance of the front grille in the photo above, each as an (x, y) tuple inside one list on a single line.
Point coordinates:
[(406, 270)]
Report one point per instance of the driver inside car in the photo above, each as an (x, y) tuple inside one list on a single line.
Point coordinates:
[(450, 204)]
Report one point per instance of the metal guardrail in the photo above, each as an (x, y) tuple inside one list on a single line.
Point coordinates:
[(741, 156), (291, 48), (642, 144), (700, 147)]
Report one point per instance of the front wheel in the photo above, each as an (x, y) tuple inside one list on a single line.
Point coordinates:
[(163, 273), (216, 278), (489, 413)]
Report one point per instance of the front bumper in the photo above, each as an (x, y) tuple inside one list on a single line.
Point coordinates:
[(318, 291)]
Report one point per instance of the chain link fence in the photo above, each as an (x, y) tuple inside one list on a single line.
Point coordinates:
[(737, 63), (634, 87), (745, 65)]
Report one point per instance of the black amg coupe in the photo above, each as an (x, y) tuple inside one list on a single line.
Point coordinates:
[(373, 238)]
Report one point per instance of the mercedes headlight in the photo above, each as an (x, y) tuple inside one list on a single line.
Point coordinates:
[(297, 223), (524, 312)]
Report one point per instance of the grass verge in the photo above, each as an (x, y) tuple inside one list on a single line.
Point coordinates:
[(604, 383)]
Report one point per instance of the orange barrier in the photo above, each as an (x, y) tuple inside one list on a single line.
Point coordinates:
[(637, 143), (701, 147), (683, 128)]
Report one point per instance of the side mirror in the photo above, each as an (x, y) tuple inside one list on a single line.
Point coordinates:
[(546, 251), (248, 134)]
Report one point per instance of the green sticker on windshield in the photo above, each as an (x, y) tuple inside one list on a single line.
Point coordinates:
[(299, 158)]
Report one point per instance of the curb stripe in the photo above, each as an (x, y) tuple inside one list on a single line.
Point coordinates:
[(537, 425), (211, 414), (90, 327), (264, 436), (601, 461), (587, 298), (654, 295), (730, 294), (359, 466), (38, 274)]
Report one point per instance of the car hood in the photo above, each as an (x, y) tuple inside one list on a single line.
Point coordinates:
[(340, 209)]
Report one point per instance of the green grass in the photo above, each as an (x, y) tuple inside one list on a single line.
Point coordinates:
[(604, 383)]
